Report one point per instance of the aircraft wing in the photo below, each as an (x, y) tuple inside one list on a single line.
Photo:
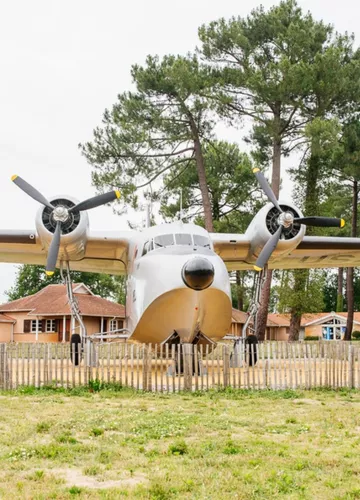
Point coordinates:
[(311, 252), (105, 252)]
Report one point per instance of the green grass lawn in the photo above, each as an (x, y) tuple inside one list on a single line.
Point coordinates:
[(233, 444)]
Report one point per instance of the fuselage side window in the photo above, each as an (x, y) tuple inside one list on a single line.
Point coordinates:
[(201, 241), (183, 239), (163, 241), (145, 249)]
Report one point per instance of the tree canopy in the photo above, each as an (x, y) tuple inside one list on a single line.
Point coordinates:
[(159, 129)]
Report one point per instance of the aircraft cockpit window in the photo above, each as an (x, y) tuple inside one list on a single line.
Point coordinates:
[(201, 241), (145, 249), (183, 239), (148, 247), (163, 241)]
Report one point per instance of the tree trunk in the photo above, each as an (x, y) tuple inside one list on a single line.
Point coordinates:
[(340, 297), (275, 177), (350, 302), (350, 270), (200, 167), (295, 324), (301, 278), (240, 291), (262, 314), (261, 317)]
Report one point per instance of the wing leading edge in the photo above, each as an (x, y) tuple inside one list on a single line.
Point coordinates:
[(312, 252), (106, 252)]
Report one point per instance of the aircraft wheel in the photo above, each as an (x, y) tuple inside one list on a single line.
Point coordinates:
[(75, 349)]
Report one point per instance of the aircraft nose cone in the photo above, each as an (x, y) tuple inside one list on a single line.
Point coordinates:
[(198, 273)]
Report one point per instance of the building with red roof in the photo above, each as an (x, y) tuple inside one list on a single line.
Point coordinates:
[(46, 315)]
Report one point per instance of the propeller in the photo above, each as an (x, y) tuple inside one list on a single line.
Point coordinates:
[(285, 220), (61, 214), (31, 191)]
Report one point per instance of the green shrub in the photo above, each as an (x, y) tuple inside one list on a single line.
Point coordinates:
[(178, 448), (42, 427), (356, 335), (96, 432), (74, 490), (66, 438), (95, 385), (231, 448), (312, 337)]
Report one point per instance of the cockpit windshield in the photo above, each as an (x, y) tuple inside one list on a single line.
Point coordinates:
[(183, 239), (164, 241), (201, 241)]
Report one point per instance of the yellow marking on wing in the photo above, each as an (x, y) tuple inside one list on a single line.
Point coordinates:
[(13, 177)]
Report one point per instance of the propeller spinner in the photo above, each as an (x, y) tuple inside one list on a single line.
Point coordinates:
[(61, 215), (285, 220)]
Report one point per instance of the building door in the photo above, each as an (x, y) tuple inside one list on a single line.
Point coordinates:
[(67, 330)]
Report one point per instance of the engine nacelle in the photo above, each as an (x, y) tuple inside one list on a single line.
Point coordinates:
[(74, 230), (265, 224)]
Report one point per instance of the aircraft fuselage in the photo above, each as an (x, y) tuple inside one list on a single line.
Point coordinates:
[(166, 265)]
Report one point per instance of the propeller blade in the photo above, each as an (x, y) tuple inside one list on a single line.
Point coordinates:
[(321, 221), (53, 251), (31, 191), (96, 201), (266, 188), (268, 249)]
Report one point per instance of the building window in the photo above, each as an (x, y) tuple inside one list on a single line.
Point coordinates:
[(33, 326), (333, 332), (113, 325), (50, 325)]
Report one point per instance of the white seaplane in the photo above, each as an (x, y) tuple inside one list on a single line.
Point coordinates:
[(177, 274)]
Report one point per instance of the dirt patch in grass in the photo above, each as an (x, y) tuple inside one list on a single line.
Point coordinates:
[(307, 401), (74, 477)]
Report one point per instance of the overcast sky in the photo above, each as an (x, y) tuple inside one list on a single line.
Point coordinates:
[(62, 63)]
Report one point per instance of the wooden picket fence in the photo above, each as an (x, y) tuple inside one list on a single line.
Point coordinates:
[(164, 368)]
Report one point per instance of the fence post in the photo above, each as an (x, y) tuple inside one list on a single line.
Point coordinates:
[(4, 368), (149, 367), (351, 367), (187, 352), (145, 368), (226, 365)]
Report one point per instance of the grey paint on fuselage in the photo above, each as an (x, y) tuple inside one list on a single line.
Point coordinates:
[(158, 300)]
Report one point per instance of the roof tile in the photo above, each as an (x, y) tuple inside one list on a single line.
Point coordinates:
[(53, 300), (4, 318)]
